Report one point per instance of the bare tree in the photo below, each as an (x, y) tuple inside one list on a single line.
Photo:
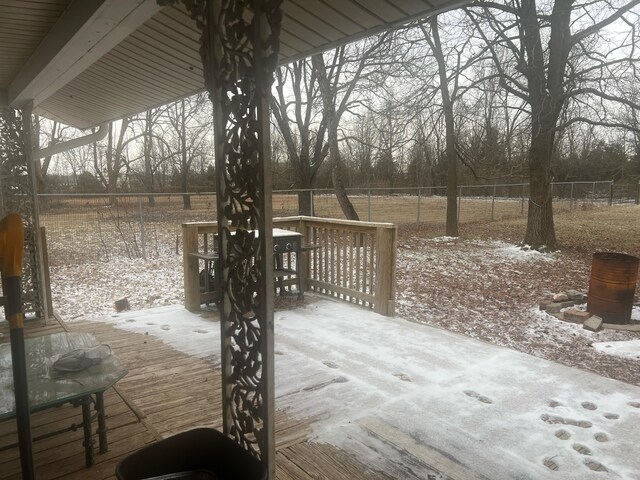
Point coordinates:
[(551, 55), (110, 164), (302, 124), (151, 159), (47, 134), (351, 70), (189, 129), (433, 38)]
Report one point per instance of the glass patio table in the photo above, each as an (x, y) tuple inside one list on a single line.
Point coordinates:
[(48, 388)]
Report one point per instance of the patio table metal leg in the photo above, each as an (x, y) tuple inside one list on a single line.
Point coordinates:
[(102, 424), (86, 427)]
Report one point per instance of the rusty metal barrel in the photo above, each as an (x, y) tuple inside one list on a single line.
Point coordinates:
[(612, 286)]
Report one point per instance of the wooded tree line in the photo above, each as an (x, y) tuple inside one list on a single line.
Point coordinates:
[(520, 90)]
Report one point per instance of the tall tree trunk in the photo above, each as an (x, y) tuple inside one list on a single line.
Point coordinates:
[(184, 174), (540, 227), (545, 93), (450, 133), (184, 185), (304, 196), (328, 102), (148, 148)]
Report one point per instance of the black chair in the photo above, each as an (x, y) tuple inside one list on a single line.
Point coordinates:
[(202, 454)]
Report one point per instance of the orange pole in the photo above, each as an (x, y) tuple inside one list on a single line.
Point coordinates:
[(11, 250)]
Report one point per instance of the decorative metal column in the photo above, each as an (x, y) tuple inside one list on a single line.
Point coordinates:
[(17, 194), (239, 54)]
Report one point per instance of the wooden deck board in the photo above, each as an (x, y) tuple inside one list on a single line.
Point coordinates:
[(165, 392)]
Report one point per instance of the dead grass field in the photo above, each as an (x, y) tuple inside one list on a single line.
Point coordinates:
[(89, 229), (581, 231)]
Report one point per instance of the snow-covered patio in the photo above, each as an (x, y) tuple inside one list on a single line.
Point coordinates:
[(412, 400)]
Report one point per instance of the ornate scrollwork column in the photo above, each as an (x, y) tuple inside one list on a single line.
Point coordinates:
[(239, 48), (17, 194)]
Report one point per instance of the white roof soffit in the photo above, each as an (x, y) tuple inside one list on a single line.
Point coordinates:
[(113, 58), (86, 30)]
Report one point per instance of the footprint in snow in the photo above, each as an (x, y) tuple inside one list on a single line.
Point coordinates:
[(611, 416), (589, 406), (130, 320), (555, 420), (601, 437), (200, 331), (330, 364), (581, 449), (595, 466), (477, 396), (554, 404), (150, 323), (563, 435), (403, 376), (166, 327), (634, 404), (550, 464)]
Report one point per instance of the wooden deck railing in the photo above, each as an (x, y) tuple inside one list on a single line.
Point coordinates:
[(353, 261)]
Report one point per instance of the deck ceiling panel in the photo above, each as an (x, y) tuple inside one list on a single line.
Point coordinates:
[(159, 61), (315, 24), (23, 26)]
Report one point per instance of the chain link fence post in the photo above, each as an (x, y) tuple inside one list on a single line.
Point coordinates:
[(611, 193), (493, 202), (571, 199)]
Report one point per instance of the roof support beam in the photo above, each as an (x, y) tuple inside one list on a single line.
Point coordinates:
[(86, 31)]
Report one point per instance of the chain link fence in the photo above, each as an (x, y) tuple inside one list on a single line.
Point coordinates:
[(99, 227)]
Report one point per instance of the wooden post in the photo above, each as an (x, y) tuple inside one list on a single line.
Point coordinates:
[(385, 288), (190, 267)]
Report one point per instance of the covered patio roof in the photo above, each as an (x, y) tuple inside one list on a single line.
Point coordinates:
[(86, 62)]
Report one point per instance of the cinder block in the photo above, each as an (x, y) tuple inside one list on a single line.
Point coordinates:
[(575, 315), (593, 323)]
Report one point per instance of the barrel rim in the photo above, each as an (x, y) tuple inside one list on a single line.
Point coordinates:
[(615, 255)]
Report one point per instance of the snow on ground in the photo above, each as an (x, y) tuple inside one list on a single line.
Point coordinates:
[(491, 290), (81, 291), (358, 374), (485, 289), (368, 382), (628, 349)]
